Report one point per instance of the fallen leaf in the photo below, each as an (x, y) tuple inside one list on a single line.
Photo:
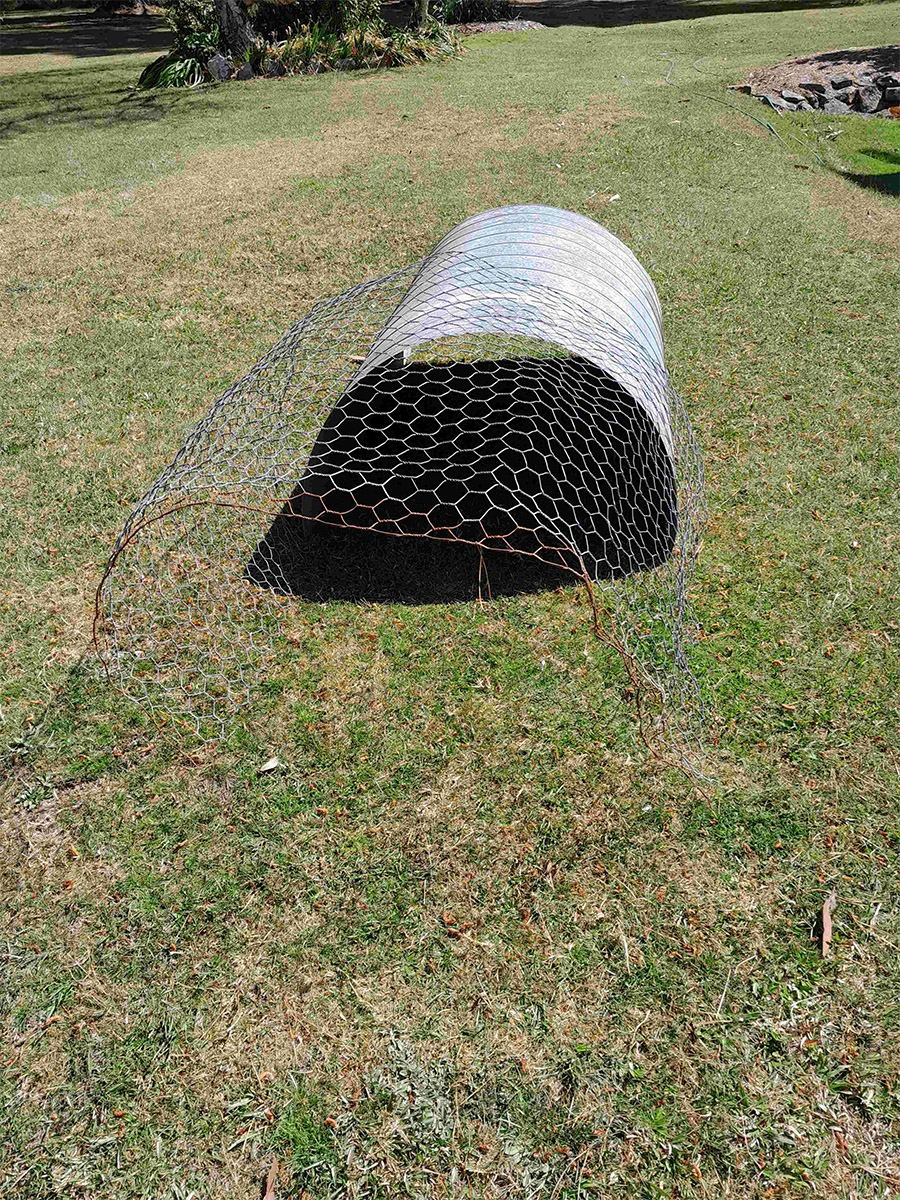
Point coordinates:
[(269, 765), (827, 909), (270, 1180)]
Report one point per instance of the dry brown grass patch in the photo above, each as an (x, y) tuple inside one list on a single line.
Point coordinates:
[(866, 218), (39, 854), (216, 203)]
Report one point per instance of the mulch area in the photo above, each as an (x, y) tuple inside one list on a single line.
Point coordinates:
[(496, 27), (819, 68)]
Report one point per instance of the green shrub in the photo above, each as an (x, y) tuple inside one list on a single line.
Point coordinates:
[(346, 15), (173, 70), (316, 48), (194, 28), (195, 36), (464, 12)]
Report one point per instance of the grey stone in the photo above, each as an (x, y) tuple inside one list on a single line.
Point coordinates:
[(245, 72), (815, 99), (888, 81), (868, 98), (836, 108), (839, 82), (777, 102), (812, 85), (274, 68), (219, 66), (792, 97), (891, 97)]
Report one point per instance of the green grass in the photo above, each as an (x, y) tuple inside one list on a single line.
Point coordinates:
[(467, 939)]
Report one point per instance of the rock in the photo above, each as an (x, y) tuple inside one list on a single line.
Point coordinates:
[(814, 99), (888, 81), (792, 97), (891, 97), (836, 108), (868, 98), (839, 82), (777, 102), (245, 72), (811, 85), (313, 67), (219, 66), (274, 68)]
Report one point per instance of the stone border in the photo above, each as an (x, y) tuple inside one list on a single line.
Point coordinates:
[(870, 94)]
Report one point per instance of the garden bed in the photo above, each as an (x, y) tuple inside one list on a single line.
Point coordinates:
[(837, 82)]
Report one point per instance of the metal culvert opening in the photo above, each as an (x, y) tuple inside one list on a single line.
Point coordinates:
[(546, 464)]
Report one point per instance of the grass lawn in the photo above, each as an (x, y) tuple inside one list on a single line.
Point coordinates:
[(467, 940)]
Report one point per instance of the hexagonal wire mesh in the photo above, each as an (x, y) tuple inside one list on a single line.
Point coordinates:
[(506, 397)]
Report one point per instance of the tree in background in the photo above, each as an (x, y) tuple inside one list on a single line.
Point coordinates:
[(239, 27), (236, 33), (218, 39)]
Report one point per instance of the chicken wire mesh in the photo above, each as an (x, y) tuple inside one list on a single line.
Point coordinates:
[(490, 410)]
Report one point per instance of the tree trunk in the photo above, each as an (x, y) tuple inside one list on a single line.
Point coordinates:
[(236, 34), (421, 13)]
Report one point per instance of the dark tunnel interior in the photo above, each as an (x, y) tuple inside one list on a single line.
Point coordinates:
[(463, 462)]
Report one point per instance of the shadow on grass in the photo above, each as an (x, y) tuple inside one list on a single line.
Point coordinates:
[(879, 58), (610, 13), (886, 183), (57, 99), (323, 562), (83, 35)]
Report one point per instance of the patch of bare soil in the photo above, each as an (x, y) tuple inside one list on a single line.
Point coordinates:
[(820, 68)]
